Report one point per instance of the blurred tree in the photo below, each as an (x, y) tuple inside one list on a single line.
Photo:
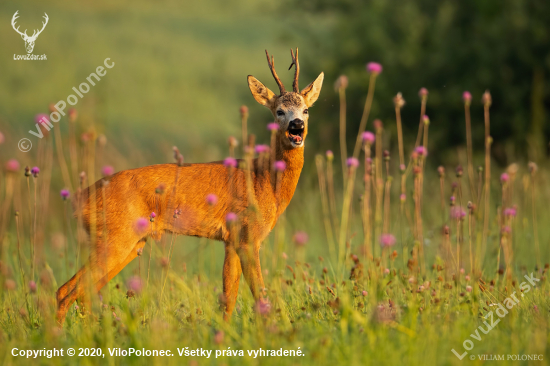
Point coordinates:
[(446, 46)]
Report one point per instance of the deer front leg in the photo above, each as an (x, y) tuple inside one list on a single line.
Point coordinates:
[(250, 263), (231, 277)]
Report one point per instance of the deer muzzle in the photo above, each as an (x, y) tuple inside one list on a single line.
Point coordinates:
[(295, 132)]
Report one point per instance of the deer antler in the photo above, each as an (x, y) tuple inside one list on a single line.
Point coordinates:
[(13, 25), (34, 35), (271, 64), (297, 72)]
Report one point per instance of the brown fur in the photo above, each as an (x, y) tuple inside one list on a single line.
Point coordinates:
[(130, 194)]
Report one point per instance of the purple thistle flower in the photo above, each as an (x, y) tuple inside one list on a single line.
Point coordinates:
[(260, 149), (368, 137), (403, 197), (457, 212), (374, 68), (107, 170), (423, 92), (32, 286), (300, 238), (141, 226), (510, 212), (364, 293), (273, 126), (279, 165), (425, 119), (12, 165), (421, 150), (35, 171), (218, 337), (504, 178), (352, 162), (263, 307), (230, 162), (153, 215), (231, 217), (134, 284), (467, 96), (64, 194), (41, 118), (387, 240), (329, 154), (212, 199)]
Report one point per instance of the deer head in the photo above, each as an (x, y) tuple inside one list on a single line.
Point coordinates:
[(290, 109), (29, 41)]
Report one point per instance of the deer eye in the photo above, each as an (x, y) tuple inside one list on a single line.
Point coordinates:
[(280, 113), (306, 111)]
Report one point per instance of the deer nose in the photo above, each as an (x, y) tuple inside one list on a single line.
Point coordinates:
[(296, 124)]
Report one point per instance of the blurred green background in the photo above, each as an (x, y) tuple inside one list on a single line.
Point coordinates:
[(181, 67)]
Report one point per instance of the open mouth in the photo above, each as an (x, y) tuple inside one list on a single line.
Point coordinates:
[(295, 135)]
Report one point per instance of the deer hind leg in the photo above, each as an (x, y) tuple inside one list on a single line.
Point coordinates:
[(231, 277), (95, 274), (252, 271)]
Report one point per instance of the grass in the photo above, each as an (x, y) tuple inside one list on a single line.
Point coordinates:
[(354, 311), (340, 299)]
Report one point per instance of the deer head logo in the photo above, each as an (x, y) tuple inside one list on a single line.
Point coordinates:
[(29, 41)]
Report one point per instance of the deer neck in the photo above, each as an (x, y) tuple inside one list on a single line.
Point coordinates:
[(288, 179)]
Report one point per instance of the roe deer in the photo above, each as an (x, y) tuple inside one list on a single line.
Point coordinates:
[(112, 205)]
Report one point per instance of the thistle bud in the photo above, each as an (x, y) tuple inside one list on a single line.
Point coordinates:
[(486, 99), (341, 83), (398, 101)]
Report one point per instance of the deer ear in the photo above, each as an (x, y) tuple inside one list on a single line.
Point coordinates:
[(260, 92), (311, 92)]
